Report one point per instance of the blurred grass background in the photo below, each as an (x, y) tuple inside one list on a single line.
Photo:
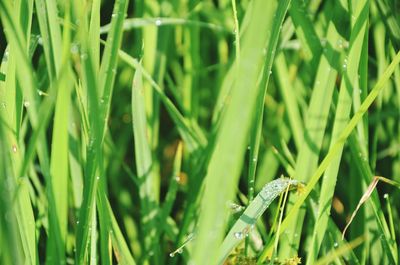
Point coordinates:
[(136, 132)]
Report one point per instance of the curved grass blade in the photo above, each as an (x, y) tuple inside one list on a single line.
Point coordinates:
[(256, 208)]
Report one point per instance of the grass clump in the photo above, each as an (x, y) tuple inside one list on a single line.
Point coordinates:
[(129, 128)]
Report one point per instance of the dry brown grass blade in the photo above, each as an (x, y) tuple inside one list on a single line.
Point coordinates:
[(366, 195)]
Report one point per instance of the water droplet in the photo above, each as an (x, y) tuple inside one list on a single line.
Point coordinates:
[(270, 72), (74, 48), (172, 254), (3, 105), (98, 177), (254, 159), (318, 83), (238, 235), (158, 22), (14, 148), (177, 178), (344, 66), (180, 251), (77, 222), (84, 56), (102, 100), (323, 42), (360, 91), (340, 43), (26, 104), (114, 15), (335, 244), (386, 196)]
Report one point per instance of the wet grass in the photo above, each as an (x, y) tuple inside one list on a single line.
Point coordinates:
[(158, 132)]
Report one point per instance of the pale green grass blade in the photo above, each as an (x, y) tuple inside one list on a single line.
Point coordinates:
[(226, 159), (281, 73), (360, 11), (143, 161), (256, 208), (255, 134), (132, 23), (94, 33)]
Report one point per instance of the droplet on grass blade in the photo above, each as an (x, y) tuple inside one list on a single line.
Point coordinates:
[(238, 235)]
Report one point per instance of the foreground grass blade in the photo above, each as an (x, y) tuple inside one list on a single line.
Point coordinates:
[(256, 208), (231, 141)]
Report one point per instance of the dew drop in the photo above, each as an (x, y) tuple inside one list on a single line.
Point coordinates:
[(172, 254), (270, 72), (3, 105), (254, 159), (77, 222), (180, 251), (98, 177), (177, 178), (335, 244), (84, 56), (238, 235), (74, 49), (26, 104), (386, 196), (158, 22), (14, 148), (114, 15)]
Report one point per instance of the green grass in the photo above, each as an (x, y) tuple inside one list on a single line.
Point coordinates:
[(157, 132)]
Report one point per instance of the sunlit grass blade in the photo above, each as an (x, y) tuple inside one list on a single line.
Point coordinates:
[(231, 141), (256, 208), (343, 108), (144, 163)]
